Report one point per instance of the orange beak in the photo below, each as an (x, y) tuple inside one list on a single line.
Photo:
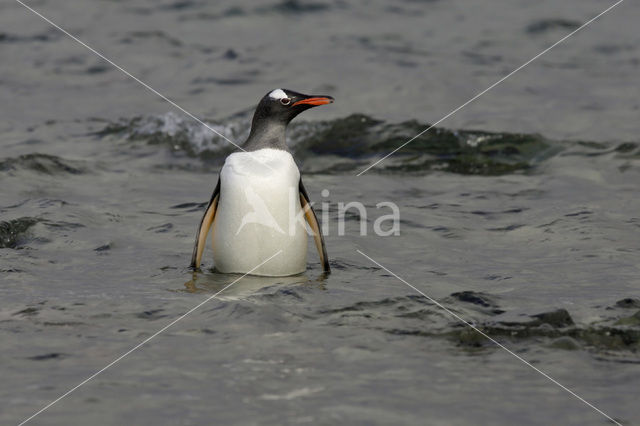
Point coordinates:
[(318, 100)]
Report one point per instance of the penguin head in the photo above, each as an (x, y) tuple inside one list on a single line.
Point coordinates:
[(282, 105)]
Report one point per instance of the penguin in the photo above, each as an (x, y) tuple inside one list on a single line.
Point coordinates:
[(260, 205)]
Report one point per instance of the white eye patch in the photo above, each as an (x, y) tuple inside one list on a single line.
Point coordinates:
[(278, 94)]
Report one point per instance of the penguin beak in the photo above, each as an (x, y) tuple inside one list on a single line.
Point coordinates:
[(315, 101)]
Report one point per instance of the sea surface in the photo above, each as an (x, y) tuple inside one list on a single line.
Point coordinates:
[(520, 214)]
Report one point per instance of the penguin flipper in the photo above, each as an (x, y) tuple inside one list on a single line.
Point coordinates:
[(205, 225), (312, 219)]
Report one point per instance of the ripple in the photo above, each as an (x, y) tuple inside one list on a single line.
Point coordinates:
[(295, 7), (627, 303), (47, 36), (48, 356), (12, 232), (42, 163), (191, 207), (546, 25), (160, 229), (480, 299)]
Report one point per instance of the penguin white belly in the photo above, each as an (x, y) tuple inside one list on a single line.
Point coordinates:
[(259, 214)]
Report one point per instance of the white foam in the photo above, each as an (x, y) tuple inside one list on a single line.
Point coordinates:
[(278, 94)]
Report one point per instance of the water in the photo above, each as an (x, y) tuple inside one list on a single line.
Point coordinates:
[(519, 213)]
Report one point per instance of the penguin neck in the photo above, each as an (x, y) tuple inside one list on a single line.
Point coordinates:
[(266, 134)]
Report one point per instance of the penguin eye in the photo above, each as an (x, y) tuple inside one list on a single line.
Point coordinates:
[(285, 101)]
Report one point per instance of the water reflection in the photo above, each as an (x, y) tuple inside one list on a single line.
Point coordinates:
[(213, 282)]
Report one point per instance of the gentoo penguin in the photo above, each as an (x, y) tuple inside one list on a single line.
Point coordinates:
[(260, 205)]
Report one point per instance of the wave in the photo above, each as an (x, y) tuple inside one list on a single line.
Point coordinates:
[(349, 144)]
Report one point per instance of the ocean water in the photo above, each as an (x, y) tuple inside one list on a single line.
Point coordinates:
[(520, 214)]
